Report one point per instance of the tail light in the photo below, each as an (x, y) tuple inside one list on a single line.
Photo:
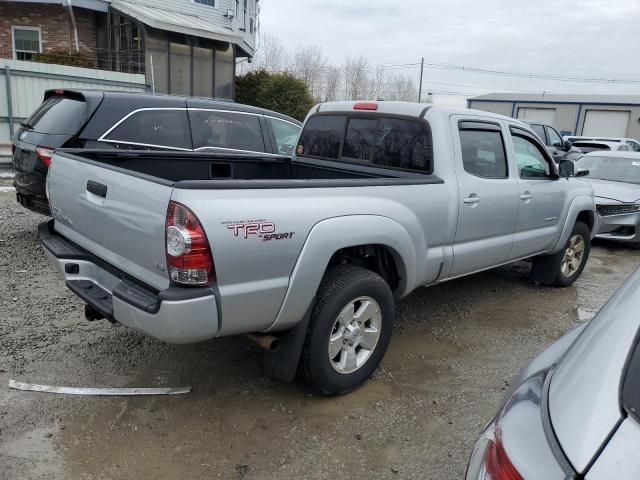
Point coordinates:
[(13, 148), (371, 106), (497, 465), (189, 258), (45, 155)]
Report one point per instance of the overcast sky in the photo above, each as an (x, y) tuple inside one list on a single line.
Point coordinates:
[(590, 38)]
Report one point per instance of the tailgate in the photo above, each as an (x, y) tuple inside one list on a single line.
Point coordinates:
[(116, 216)]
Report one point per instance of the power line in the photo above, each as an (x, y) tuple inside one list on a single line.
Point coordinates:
[(472, 69)]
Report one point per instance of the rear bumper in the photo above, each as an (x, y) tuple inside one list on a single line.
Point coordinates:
[(175, 315), (32, 201)]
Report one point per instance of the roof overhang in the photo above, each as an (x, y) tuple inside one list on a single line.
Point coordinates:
[(177, 22), (96, 5)]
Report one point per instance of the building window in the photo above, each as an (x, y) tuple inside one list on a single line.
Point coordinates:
[(244, 17), (180, 73), (27, 42), (209, 3), (224, 71)]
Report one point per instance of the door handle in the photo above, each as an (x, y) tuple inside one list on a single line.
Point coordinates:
[(472, 199), (526, 196), (96, 188)]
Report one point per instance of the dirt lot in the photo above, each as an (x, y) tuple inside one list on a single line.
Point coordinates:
[(455, 349)]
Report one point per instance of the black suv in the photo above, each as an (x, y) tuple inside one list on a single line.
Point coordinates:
[(144, 121)]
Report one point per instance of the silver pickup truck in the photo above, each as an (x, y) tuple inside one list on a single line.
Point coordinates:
[(309, 255)]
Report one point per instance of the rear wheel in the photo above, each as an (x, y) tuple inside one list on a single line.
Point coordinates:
[(349, 331), (564, 268)]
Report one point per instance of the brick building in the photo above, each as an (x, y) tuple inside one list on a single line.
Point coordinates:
[(25, 30), (182, 46)]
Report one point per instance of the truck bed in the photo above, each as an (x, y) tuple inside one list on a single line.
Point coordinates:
[(222, 170)]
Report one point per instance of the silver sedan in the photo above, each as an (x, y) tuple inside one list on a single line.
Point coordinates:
[(615, 178), (574, 412)]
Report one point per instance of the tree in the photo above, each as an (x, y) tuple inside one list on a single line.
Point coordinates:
[(355, 77), (271, 55), (402, 88), (249, 84), (308, 64), (281, 92), (331, 84)]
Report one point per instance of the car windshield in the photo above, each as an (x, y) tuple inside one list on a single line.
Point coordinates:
[(615, 169)]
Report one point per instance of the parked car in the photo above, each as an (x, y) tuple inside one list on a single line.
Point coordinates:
[(311, 252), (586, 146), (634, 144), (551, 138), (615, 178), (139, 121), (573, 411)]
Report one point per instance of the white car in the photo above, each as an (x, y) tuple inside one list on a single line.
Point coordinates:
[(586, 146), (634, 144)]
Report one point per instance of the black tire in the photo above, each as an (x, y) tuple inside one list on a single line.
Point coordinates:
[(547, 269), (340, 286)]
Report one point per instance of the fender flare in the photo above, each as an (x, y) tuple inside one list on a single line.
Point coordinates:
[(579, 204), (331, 235)]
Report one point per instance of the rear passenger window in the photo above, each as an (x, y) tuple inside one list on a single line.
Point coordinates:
[(483, 153), (154, 128), (322, 136), (216, 129)]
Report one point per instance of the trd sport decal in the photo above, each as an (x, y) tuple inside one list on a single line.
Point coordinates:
[(260, 228)]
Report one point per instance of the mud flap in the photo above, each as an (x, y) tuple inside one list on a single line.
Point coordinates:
[(283, 364), (545, 268)]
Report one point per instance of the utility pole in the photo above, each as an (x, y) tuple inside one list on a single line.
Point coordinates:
[(421, 74)]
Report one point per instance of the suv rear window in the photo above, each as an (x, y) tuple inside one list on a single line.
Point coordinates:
[(154, 128), (376, 141), (216, 129), (58, 115)]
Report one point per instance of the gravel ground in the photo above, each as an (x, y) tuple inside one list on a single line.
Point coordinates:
[(455, 349)]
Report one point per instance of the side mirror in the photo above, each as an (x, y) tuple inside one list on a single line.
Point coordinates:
[(567, 168), (582, 173), (567, 145)]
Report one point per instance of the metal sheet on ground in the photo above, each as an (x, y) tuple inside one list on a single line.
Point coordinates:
[(99, 391)]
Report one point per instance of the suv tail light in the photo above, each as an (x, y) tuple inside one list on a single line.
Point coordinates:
[(45, 155), (13, 148), (189, 258)]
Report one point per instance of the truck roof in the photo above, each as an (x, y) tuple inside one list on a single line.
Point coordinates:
[(412, 109)]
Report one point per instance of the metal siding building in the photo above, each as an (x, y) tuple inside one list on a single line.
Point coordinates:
[(592, 115)]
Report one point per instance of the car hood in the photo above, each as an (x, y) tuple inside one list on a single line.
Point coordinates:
[(616, 191), (584, 403)]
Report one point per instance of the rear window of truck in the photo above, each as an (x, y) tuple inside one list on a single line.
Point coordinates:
[(58, 115), (379, 141)]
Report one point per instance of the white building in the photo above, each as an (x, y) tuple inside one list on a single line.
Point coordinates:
[(588, 115)]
